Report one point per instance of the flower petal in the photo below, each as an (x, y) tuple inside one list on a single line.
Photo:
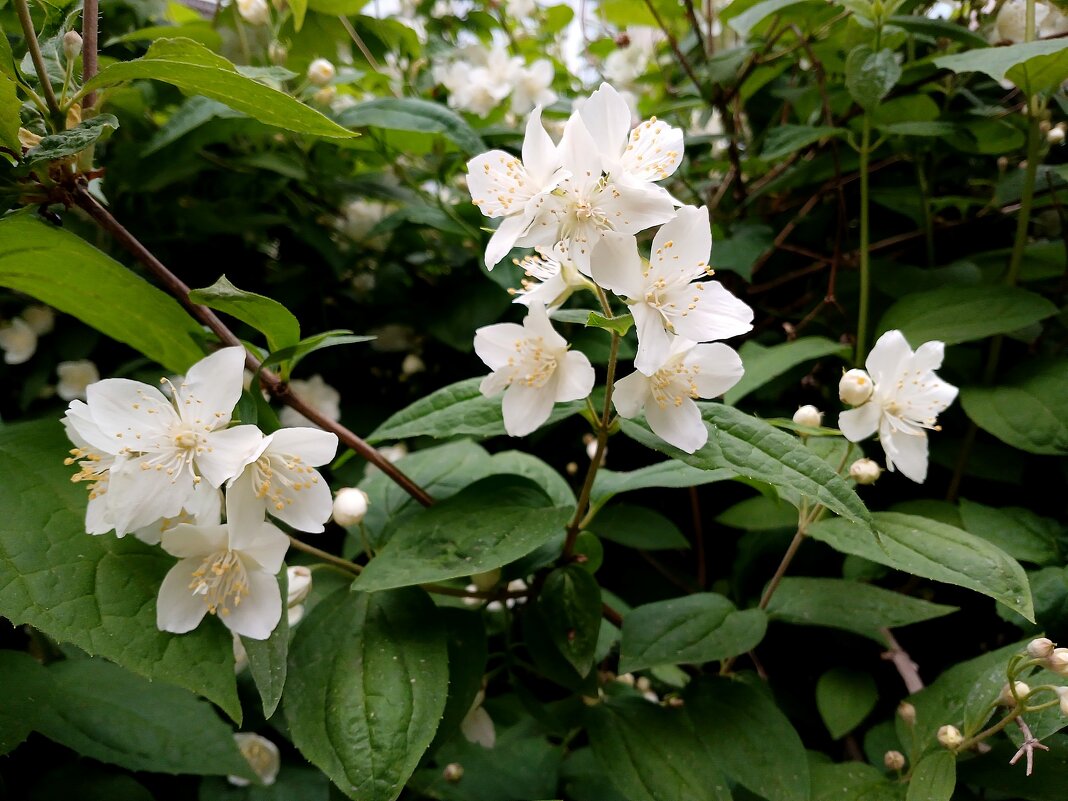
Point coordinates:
[(309, 508), (314, 446), (539, 153), (536, 324), (888, 357), (654, 151), (178, 610), (607, 117), (79, 420), (654, 342), (632, 207), (683, 245), (186, 541), (123, 409), (575, 377), (860, 423), (680, 425), (905, 452), (630, 393), (715, 312), (496, 344), (719, 368), (616, 265), (138, 494), (227, 452), (212, 388), (504, 238), (265, 545), (525, 408), (259, 612)]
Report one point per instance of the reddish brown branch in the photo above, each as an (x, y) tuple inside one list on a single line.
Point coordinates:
[(90, 46)]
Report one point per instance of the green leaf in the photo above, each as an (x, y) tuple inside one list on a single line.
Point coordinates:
[(849, 605), (759, 452), (869, 75), (414, 114), (300, 9), (570, 604), (782, 140), (963, 314), (1029, 410), (756, 13), (935, 551), (620, 325), (1032, 66), (690, 630), (763, 364), (759, 514), (456, 537), (368, 678), (671, 473), (934, 778), (465, 635), (10, 121), (519, 765), (267, 659), (459, 409), (1020, 533), (193, 68), (22, 704), (844, 698), (637, 527), (71, 141), (993, 772), (738, 725), (107, 713), (267, 316), (328, 339), (189, 116), (851, 781), (650, 755), (745, 244), (98, 593), (518, 463), (60, 269)]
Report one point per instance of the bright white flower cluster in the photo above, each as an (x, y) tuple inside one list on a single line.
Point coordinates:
[(481, 78), (900, 397), (580, 203), (156, 465)]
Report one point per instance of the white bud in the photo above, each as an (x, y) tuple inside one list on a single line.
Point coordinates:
[(571, 468), (350, 506), (1058, 661), (295, 614), (1062, 693), (855, 387), (72, 45), (591, 449), (907, 712), (325, 96), (1055, 136), (262, 756), (626, 678), (865, 471), (277, 53), (254, 12), (1040, 648), (300, 584), (1006, 697), (894, 760), (808, 416), (412, 364), (321, 72), (950, 737), (453, 772)]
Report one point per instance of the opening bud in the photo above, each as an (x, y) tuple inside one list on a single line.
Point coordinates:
[(855, 387), (72, 45), (907, 712), (1040, 648), (350, 506), (950, 737), (453, 772), (865, 471), (277, 53), (1055, 136), (1062, 694), (262, 756), (808, 416), (1006, 697), (300, 584), (321, 72), (325, 96), (254, 12), (1058, 661), (894, 760)]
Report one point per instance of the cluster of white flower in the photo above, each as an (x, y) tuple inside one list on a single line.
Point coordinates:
[(581, 203), (18, 338), (156, 465), (481, 78)]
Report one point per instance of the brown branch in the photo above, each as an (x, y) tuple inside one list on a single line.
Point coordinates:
[(269, 380), (611, 615), (906, 668), (26, 21), (90, 46)]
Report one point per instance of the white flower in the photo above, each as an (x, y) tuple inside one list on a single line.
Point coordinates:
[(503, 186), (533, 87), (300, 584), (321, 72), (480, 79), (532, 365), (262, 756), (165, 447), (282, 479), (663, 293), (18, 341), (551, 278), (1012, 19), (350, 506), (75, 377), (855, 387), (906, 400), (626, 64), (204, 509), (942, 10), (477, 726), (226, 570), (254, 12), (40, 318), (316, 393), (93, 453), (690, 371), (360, 216), (808, 416)]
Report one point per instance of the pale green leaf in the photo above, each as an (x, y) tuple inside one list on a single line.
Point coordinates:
[(756, 13), (10, 121), (870, 75), (672, 473), (782, 140), (620, 325), (934, 778), (1033, 66), (1028, 410)]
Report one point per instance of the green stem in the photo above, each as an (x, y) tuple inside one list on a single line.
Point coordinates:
[(23, 10), (1028, 193), (865, 241)]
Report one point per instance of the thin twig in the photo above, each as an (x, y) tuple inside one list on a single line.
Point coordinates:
[(23, 10), (906, 668), (269, 380), (90, 26), (337, 561), (1027, 747), (359, 43)]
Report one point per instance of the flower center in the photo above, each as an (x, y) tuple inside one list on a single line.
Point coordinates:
[(222, 580), (533, 364), (94, 470), (672, 384), (278, 482)]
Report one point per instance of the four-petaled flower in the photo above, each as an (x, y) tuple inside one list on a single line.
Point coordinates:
[(532, 365), (904, 404)]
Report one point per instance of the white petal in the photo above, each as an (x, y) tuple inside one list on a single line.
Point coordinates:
[(477, 727), (860, 423), (122, 409), (178, 610), (498, 183), (495, 383), (680, 426), (616, 265), (634, 207), (263, 546), (654, 342), (607, 117), (630, 393), (227, 452), (259, 612), (906, 452), (575, 377), (96, 516), (186, 541), (536, 324), (245, 507), (654, 151), (539, 152), (504, 238), (579, 153), (495, 344), (928, 356), (720, 368), (525, 408), (79, 418), (888, 356), (314, 446), (311, 506), (716, 313), (212, 387), (137, 497), (683, 245)]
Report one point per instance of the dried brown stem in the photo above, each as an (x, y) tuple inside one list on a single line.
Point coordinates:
[(906, 668), (90, 46)]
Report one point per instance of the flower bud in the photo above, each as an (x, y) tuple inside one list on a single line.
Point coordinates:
[(894, 760), (412, 364), (277, 53), (950, 737), (254, 12), (39, 318), (321, 72), (1006, 697), (72, 45), (907, 713), (1062, 693), (855, 387), (325, 96), (262, 756), (1055, 136), (1040, 648), (865, 471), (808, 416), (350, 506), (453, 772), (300, 584), (1058, 661)]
